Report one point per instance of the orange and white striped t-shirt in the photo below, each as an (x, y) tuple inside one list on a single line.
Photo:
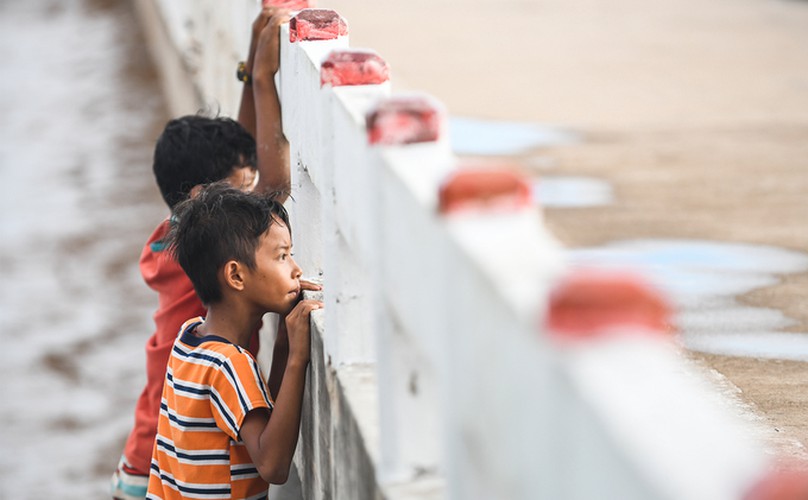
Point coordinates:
[(211, 384)]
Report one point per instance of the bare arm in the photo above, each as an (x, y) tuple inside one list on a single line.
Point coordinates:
[(280, 351), (272, 147), (246, 112), (271, 439), (280, 354)]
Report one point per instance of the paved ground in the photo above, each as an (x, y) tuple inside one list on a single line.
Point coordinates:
[(695, 112)]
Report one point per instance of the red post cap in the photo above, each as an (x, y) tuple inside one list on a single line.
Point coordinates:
[(353, 67), (316, 24), (484, 190), (591, 303), (404, 120), (781, 485), (287, 4)]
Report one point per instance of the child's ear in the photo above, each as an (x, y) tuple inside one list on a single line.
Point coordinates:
[(195, 191), (233, 275)]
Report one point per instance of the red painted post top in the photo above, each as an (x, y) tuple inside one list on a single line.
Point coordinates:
[(288, 4), (316, 24), (353, 67), (484, 190), (404, 120), (781, 485), (593, 303)]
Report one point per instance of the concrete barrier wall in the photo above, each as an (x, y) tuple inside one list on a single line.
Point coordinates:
[(456, 357)]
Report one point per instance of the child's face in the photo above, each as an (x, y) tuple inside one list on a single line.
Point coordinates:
[(243, 178), (276, 277)]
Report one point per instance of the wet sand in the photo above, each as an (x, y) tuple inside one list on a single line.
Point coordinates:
[(695, 113)]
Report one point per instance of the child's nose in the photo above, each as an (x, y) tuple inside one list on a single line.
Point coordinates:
[(296, 271)]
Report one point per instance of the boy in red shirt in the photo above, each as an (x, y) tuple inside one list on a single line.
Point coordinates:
[(193, 151)]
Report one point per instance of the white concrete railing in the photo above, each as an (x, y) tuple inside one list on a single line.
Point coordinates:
[(435, 373)]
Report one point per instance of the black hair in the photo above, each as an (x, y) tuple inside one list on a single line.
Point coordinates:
[(219, 224), (196, 149)]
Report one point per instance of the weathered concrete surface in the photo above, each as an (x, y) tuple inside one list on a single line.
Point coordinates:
[(696, 113), (181, 94), (334, 446)]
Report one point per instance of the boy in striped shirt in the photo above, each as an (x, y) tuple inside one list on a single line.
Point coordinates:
[(219, 434)]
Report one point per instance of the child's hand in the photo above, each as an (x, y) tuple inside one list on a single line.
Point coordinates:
[(304, 286), (267, 49), (310, 286), (299, 330), (260, 21)]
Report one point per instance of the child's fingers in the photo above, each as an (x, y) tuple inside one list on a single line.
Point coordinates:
[(298, 319), (261, 22), (311, 305), (279, 17), (303, 308), (309, 285), (307, 306), (268, 12), (265, 15), (274, 22)]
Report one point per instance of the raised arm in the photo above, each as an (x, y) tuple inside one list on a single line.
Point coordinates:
[(246, 112), (271, 145)]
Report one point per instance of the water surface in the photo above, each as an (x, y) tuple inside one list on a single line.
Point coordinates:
[(556, 191), (478, 137), (703, 280), (77, 201)]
